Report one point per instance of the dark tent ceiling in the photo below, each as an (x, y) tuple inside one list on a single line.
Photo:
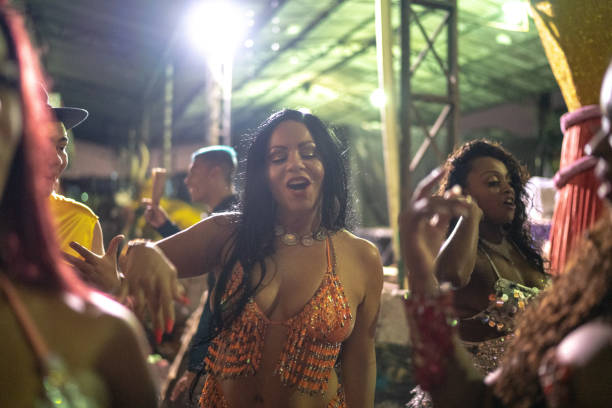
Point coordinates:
[(107, 55)]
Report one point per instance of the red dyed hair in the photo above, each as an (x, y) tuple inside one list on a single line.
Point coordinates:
[(29, 249)]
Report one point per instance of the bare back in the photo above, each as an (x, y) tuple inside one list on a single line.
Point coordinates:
[(98, 342)]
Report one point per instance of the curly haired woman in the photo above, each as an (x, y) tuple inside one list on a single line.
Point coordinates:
[(489, 256), (562, 353)]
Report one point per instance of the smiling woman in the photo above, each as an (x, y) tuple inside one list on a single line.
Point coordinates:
[(294, 286)]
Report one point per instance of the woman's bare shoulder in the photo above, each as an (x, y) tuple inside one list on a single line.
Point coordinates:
[(121, 358), (585, 343), (362, 252), (360, 246), (586, 355), (102, 318)]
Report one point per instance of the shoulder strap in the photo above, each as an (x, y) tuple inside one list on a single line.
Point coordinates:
[(490, 261), (331, 255)]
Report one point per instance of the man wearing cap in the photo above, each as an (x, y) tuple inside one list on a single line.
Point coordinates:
[(74, 221), (77, 227)]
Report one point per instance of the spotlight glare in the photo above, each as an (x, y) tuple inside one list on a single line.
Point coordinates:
[(293, 29), (503, 38), (215, 28), (378, 98), (514, 12), (275, 46)]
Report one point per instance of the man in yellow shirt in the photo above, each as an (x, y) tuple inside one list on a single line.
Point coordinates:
[(74, 221)]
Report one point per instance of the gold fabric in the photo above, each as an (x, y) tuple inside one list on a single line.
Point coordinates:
[(577, 38)]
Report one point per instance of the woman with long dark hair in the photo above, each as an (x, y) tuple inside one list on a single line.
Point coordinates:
[(489, 257), (562, 353), (61, 342), (297, 295)]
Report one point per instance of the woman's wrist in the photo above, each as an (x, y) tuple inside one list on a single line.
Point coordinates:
[(432, 323)]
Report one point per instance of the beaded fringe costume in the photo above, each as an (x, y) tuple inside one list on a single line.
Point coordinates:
[(314, 337)]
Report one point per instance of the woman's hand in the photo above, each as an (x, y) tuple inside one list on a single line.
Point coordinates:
[(154, 214), (100, 270), (423, 227), (153, 284)]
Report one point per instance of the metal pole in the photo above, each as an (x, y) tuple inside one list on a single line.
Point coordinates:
[(453, 79), (405, 119), (214, 94), (384, 42), (226, 101), (405, 100), (168, 100)]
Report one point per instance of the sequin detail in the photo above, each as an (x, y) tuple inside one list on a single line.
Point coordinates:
[(212, 396), (314, 337)]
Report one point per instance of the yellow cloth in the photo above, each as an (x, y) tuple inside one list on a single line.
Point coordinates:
[(73, 221), (577, 40)]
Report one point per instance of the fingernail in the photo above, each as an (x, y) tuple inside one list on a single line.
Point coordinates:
[(184, 300), (158, 335), (169, 325)]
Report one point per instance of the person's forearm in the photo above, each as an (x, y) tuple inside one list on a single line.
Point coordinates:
[(167, 229), (457, 257), (442, 366)]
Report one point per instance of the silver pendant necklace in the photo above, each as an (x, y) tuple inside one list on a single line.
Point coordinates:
[(292, 239)]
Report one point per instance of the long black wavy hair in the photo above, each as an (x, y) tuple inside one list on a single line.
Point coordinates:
[(459, 165), (253, 240)]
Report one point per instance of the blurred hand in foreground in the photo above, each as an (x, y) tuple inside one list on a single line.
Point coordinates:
[(423, 228), (152, 284), (99, 270)]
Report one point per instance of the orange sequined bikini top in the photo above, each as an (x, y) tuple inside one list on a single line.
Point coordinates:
[(314, 336)]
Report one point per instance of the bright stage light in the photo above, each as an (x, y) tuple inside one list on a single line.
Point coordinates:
[(378, 98), (515, 12), (504, 39), (216, 27)]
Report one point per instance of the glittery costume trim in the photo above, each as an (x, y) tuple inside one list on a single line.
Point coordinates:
[(508, 299), (486, 355), (314, 337), (212, 396)]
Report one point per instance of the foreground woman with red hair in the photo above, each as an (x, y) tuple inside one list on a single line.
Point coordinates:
[(62, 344)]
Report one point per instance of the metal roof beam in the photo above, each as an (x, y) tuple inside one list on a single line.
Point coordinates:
[(311, 26)]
